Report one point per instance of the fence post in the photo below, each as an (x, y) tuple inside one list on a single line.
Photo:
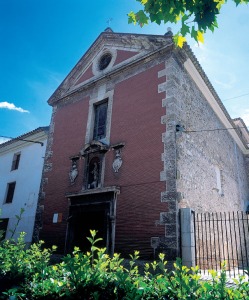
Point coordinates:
[(187, 237)]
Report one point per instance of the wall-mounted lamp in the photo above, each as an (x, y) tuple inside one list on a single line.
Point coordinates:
[(180, 128)]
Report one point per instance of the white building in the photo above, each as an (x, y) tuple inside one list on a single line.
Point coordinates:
[(21, 164)]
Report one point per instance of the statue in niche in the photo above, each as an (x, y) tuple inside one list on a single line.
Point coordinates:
[(73, 172), (93, 176), (95, 173), (117, 163)]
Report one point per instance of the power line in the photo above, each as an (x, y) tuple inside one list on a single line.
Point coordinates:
[(235, 97), (181, 128), (215, 129)]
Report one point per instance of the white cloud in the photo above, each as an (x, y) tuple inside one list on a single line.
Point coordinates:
[(12, 106)]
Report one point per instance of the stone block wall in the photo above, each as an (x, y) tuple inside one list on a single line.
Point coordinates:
[(211, 168)]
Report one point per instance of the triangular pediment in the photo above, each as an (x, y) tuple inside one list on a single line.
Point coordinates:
[(121, 56), (110, 52)]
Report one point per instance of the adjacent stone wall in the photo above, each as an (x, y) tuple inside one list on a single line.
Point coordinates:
[(211, 169)]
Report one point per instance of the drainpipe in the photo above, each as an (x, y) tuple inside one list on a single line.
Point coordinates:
[(113, 223), (238, 177)]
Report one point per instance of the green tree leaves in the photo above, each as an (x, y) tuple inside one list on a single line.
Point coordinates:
[(194, 16)]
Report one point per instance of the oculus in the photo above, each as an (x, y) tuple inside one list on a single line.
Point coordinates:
[(104, 61)]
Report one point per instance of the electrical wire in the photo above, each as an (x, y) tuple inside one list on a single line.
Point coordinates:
[(216, 129), (235, 97)]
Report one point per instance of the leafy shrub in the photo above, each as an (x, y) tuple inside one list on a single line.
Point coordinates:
[(19, 265), (96, 275)]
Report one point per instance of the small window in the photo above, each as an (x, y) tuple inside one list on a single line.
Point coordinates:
[(15, 161), (99, 131), (10, 192), (3, 228), (218, 172), (105, 61)]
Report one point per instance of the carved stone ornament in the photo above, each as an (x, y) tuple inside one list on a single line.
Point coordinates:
[(117, 163), (73, 172)]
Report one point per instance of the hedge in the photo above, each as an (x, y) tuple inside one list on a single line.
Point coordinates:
[(28, 274)]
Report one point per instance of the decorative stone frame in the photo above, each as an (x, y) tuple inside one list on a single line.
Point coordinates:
[(90, 157), (95, 65), (102, 97), (95, 149)]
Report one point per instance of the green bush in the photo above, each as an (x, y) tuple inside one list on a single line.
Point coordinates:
[(28, 274)]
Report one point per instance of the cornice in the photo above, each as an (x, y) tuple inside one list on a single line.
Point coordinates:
[(108, 189), (242, 128)]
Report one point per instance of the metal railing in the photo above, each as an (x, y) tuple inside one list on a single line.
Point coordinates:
[(222, 237)]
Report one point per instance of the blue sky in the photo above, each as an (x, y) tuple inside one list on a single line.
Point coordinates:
[(41, 41)]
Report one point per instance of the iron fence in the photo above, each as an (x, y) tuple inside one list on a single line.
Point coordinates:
[(222, 237)]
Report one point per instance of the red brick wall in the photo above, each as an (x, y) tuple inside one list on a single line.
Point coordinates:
[(136, 121), (68, 139), (123, 55), (87, 75), (136, 116)]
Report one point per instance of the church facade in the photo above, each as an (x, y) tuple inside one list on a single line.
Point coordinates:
[(137, 132)]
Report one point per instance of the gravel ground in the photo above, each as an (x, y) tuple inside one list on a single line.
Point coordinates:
[(231, 275)]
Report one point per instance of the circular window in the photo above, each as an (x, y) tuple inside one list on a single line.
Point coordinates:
[(105, 61)]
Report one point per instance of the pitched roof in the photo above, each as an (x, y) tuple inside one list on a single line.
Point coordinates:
[(81, 76), (25, 137), (140, 44)]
